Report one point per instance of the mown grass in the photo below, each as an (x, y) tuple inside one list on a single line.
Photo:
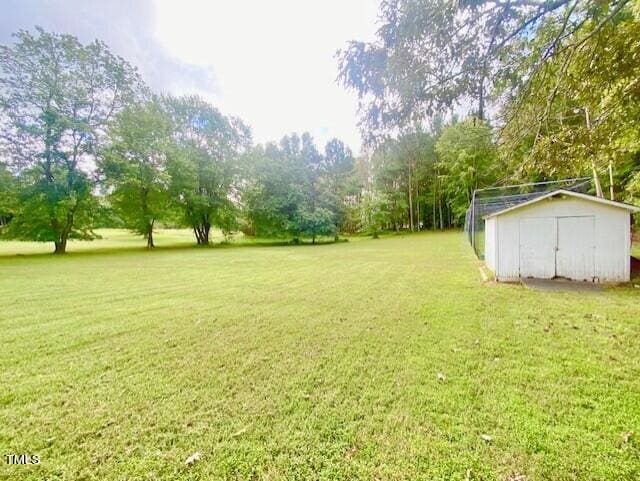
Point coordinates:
[(312, 363)]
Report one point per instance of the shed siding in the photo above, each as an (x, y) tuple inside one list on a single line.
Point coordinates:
[(612, 236), (490, 243)]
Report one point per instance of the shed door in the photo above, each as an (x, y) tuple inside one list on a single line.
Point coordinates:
[(538, 238), (576, 248)]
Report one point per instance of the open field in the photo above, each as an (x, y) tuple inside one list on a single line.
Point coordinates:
[(110, 239), (311, 362)]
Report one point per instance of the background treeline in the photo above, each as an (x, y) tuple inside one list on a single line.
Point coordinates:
[(557, 81), (85, 144), (554, 88)]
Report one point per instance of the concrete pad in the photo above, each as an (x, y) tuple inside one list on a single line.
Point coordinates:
[(561, 285)]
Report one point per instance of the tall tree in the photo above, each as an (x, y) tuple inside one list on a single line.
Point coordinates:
[(134, 166), (314, 215), (433, 55), (577, 115), (56, 98), (467, 161), (338, 173), (273, 189), (205, 173), (292, 189)]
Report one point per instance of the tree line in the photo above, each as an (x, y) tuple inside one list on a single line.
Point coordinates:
[(551, 88), (555, 81), (86, 144)]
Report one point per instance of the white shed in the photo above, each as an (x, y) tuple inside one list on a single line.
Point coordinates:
[(561, 234)]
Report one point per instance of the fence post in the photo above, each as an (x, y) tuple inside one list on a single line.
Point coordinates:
[(473, 221)]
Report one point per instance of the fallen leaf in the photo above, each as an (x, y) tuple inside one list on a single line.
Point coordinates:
[(626, 437), (517, 477), (486, 437), (441, 377), (351, 452), (239, 433), (194, 458)]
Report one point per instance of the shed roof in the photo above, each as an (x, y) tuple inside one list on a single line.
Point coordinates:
[(554, 193)]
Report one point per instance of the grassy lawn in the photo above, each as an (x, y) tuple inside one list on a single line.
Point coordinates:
[(110, 239), (306, 362)]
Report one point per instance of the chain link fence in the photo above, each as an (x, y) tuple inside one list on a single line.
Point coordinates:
[(494, 199)]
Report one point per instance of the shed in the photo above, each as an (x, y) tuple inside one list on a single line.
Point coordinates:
[(561, 234)]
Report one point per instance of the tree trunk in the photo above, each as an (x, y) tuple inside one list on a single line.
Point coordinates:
[(611, 193), (410, 201), (418, 206), (202, 232), (596, 179), (150, 244), (435, 217), (440, 206), (61, 245)]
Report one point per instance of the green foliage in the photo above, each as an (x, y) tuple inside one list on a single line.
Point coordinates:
[(430, 56), (8, 199), (134, 166), (577, 113), (467, 161), (205, 171), (291, 189), (338, 181), (56, 98), (377, 212), (403, 172)]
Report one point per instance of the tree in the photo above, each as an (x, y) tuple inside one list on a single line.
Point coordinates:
[(56, 98), (433, 55), (292, 189), (377, 210), (273, 189), (134, 166), (8, 201), (578, 114), (338, 171), (403, 169), (467, 160), (205, 173)]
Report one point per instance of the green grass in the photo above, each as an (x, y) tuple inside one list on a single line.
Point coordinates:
[(110, 239), (312, 363)]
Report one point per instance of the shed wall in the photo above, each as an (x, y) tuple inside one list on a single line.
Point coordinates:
[(490, 243), (612, 236)]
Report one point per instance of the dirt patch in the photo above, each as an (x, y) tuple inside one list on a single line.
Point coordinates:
[(561, 285)]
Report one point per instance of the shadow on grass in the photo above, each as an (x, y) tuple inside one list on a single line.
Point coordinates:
[(98, 250)]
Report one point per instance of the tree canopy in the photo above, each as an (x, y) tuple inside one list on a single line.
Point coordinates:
[(135, 166), (205, 172), (56, 98)]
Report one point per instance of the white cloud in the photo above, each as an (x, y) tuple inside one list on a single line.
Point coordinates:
[(270, 62), (127, 27), (274, 60)]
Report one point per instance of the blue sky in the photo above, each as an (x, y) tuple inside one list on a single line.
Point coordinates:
[(271, 62)]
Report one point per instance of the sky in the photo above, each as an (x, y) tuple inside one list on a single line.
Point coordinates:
[(270, 62)]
